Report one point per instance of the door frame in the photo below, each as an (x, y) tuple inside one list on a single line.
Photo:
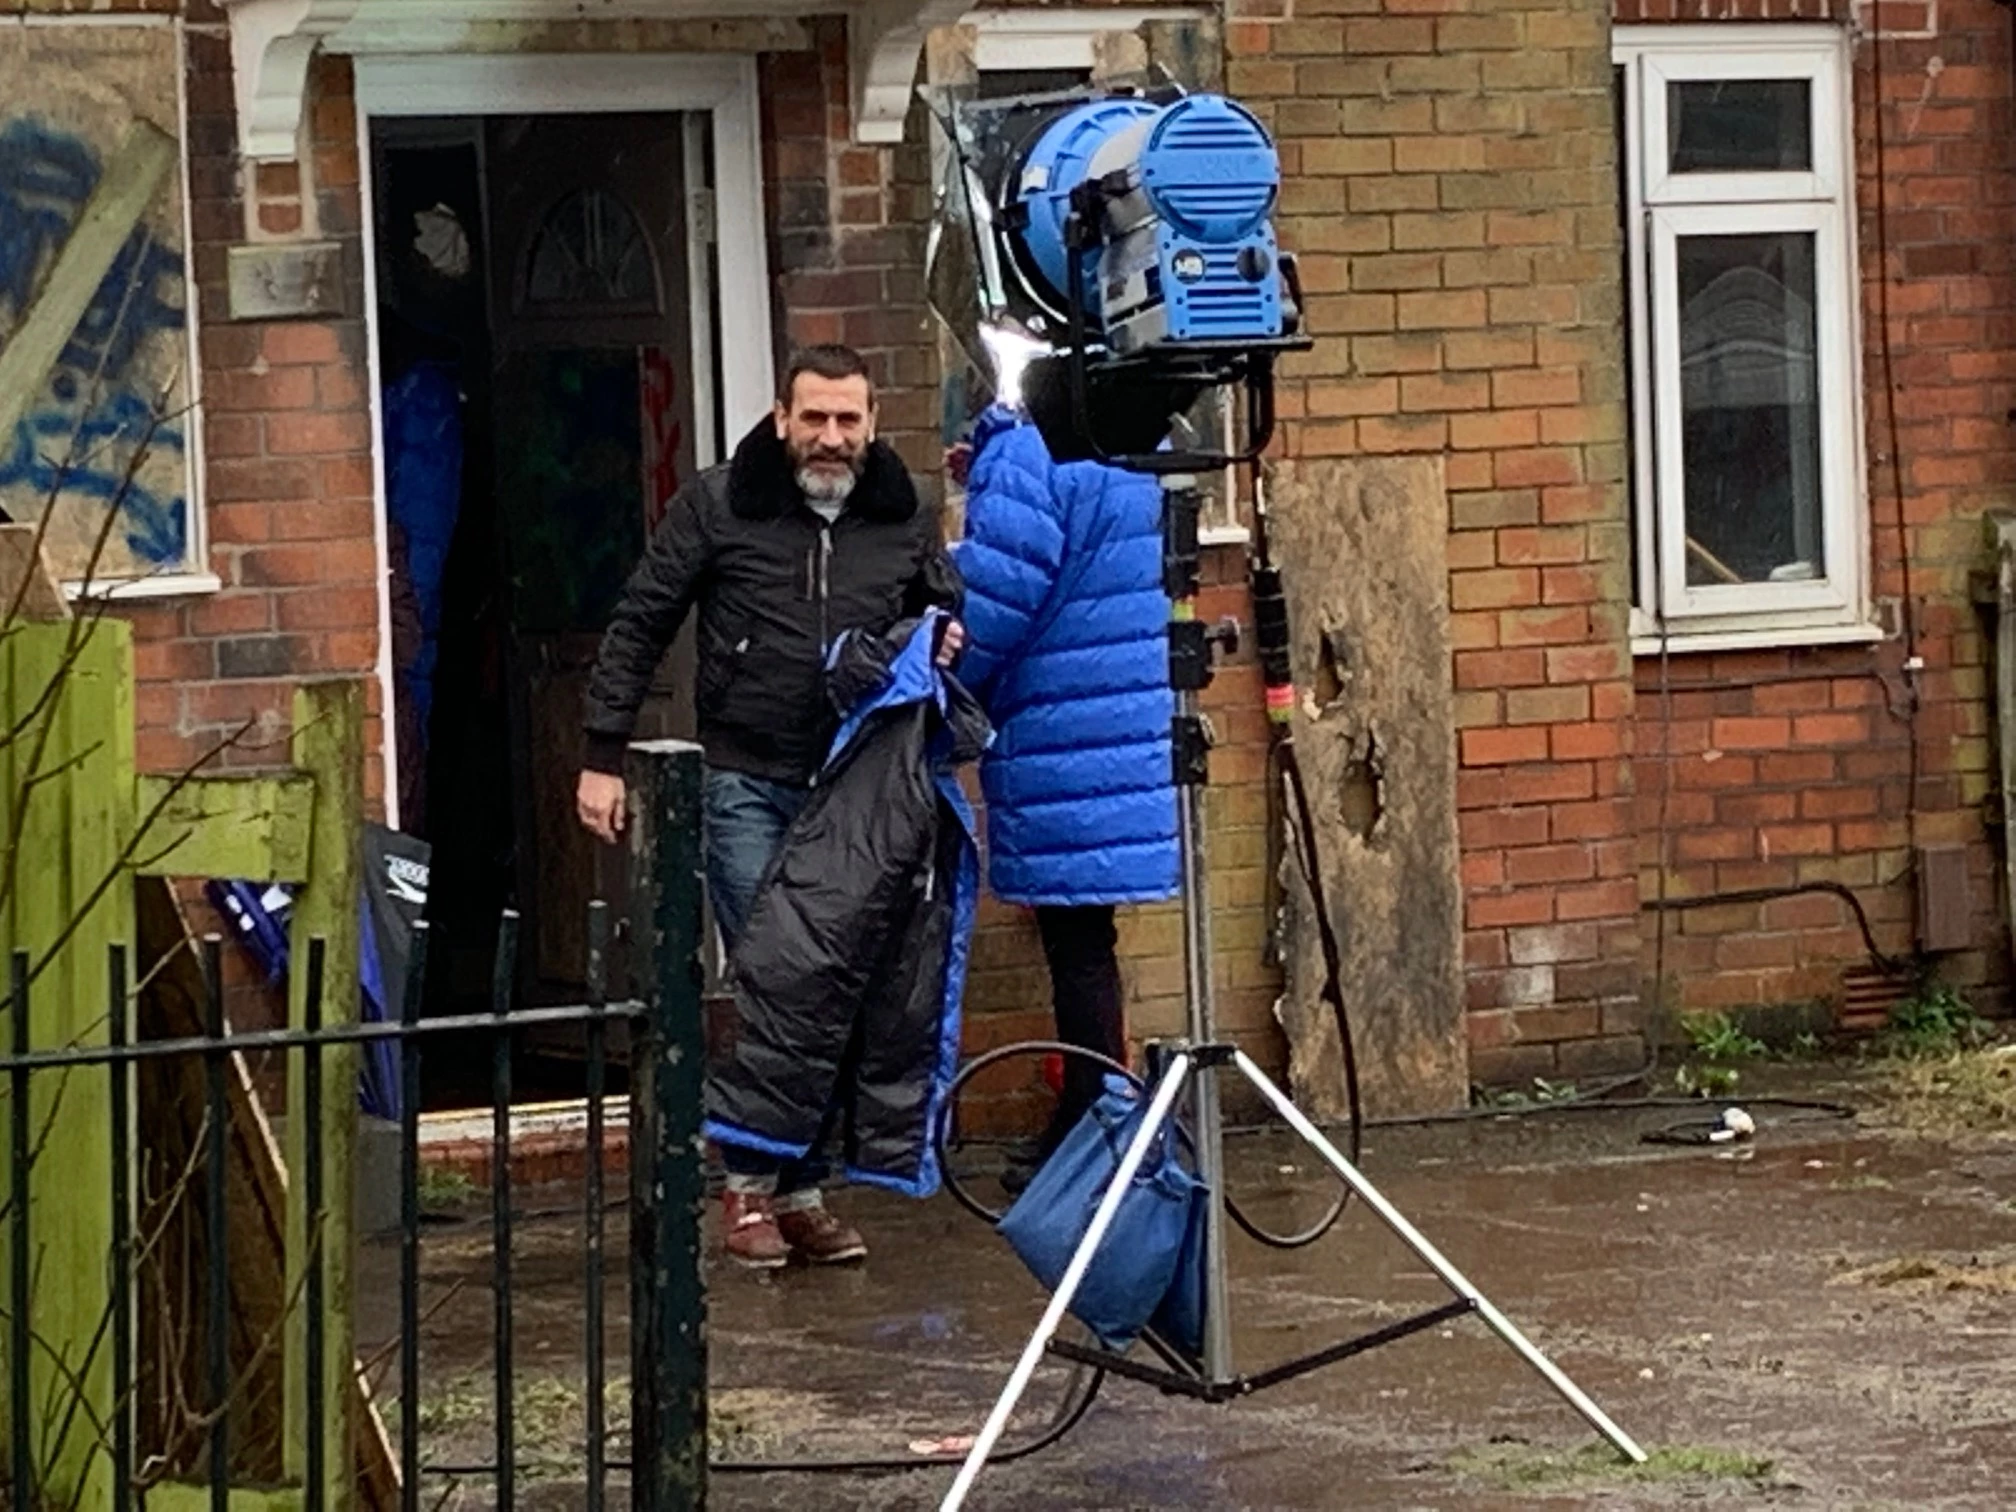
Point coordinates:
[(724, 87)]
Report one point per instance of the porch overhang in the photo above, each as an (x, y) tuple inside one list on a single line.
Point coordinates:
[(273, 42)]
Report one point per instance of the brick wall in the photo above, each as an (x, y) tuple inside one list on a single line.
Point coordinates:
[(847, 228), (1797, 766), (1451, 192), (287, 486), (1450, 187)]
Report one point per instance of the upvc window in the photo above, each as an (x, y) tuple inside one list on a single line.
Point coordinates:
[(1747, 477)]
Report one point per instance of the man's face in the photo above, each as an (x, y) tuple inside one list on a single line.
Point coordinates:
[(826, 427)]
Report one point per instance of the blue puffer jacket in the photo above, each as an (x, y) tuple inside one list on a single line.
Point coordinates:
[(1067, 648)]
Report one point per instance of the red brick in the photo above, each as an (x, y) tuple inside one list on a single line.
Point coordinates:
[(1599, 820), (346, 477), (311, 564), (1576, 503), (1587, 742), (324, 520), (1549, 863), (1482, 829), (1550, 782), (1481, 869), (1536, 468), (1830, 729), (1500, 588), (230, 613), (243, 390), (1839, 802), (230, 479), (1494, 429), (1504, 747), (1589, 664), (1549, 546), (1600, 900), (337, 608), (1751, 952), (285, 343), (1500, 669), (1500, 910), (1715, 845), (1543, 627), (304, 434), (1753, 734), (1796, 768), (1798, 840), (1792, 698)]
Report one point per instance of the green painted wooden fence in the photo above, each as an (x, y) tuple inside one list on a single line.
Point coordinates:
[(79, 825)]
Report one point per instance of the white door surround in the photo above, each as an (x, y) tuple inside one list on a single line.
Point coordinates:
[(721, 86)]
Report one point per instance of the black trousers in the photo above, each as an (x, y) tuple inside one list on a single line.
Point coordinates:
[(1079, 944)]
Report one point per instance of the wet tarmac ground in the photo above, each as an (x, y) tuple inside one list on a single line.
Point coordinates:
[(1827, 1299)]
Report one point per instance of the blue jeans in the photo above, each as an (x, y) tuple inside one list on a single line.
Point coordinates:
[(744, 823)]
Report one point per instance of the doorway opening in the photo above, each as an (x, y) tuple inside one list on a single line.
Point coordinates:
[(539, 401)]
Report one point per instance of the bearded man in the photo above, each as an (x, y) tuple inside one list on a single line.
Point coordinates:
[(814, 528)]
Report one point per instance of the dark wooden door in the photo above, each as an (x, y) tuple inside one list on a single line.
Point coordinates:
[(594, 400)]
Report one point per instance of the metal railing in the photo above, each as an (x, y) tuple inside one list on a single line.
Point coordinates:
[(668, 1425)]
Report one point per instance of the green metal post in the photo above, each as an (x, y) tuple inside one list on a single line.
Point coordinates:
[(667, 1183)]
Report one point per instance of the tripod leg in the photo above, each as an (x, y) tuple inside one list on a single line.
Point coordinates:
[(1067, 1288), (1451, 1277)]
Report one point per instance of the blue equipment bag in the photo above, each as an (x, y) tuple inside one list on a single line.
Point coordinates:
[(1152, 1235)]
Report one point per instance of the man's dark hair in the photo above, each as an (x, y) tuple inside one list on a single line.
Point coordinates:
[(826, 360)]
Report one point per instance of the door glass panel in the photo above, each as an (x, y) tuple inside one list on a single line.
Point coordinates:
[(1740, 125), (1749, 383)]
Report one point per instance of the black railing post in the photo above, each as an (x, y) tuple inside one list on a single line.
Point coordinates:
[(668, 1186)]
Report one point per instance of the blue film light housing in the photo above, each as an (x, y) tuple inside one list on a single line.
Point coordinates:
[(1185, 191), (1130, 232)]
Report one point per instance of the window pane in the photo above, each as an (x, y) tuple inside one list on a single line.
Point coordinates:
[(1740, 125), (1749, 386)]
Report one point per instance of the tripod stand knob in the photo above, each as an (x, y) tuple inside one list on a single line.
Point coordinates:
[(1225, 636)]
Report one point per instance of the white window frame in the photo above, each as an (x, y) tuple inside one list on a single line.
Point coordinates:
[(1661, 207)]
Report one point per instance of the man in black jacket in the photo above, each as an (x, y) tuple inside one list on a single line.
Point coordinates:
[(813, 528)]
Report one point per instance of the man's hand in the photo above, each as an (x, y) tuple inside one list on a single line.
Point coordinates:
[(951, 641), (959, 462), (599, 801)]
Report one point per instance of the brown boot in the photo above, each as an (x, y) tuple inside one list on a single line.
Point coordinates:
[(749, 1230), (817, 1236)]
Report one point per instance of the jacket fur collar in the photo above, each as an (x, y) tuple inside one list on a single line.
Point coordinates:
[(761, 485)]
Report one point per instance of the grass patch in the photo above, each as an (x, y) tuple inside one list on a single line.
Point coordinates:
[(1716, 1043), (1965, 1092), (443, 1189), (1540, 1092), (1718, 1038), (1527, 1467), (1934, 1023), (1928, 1273)]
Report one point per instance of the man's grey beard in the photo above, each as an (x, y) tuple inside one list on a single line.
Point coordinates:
[(824, 487)]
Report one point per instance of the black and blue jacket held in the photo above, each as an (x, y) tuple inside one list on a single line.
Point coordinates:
[(848, 976)]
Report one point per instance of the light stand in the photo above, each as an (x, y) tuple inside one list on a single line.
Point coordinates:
[(1196, 1062)]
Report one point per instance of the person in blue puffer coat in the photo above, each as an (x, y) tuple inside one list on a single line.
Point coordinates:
[(1066, 624)]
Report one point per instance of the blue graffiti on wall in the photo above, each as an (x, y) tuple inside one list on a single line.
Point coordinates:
[(80, 438)]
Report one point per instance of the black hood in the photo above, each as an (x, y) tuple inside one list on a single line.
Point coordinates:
[(761, 484)]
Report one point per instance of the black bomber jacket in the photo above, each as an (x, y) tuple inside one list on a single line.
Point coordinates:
[(775, 586)]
